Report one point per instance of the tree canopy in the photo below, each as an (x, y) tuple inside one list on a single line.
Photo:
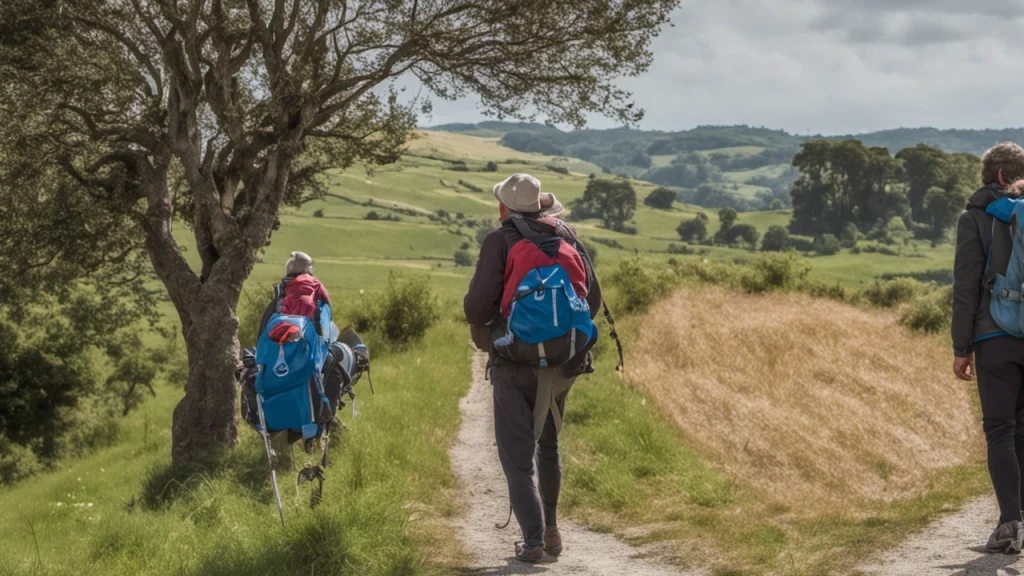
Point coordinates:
[(125, 119)]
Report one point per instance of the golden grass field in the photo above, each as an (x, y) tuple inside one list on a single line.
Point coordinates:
[(817, 403)]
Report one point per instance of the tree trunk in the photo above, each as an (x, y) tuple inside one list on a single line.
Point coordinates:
[(206, 420)]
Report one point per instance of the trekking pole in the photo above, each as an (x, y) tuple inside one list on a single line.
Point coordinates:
[(614, 334), (271, 456)]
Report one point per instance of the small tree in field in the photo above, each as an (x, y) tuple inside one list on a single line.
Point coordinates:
[(204, 117), (695, 229), (661, 198), (613, 201)]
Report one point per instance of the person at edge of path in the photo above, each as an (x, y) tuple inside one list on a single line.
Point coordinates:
[(982, 349), (515, 385), (298, 294)]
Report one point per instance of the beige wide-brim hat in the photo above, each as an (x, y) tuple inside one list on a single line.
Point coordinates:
[(521, 193)]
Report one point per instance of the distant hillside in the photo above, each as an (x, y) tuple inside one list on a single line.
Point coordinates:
[(743, 167), (704, 138)]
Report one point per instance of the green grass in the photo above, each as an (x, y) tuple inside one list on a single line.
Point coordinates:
[(386, 491)]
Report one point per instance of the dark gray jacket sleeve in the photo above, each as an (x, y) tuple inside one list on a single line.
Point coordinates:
[(968, 269), (483, 300)]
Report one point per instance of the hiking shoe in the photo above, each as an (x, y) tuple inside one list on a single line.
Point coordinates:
[(532, 554), (552, 541), (1007, 538)]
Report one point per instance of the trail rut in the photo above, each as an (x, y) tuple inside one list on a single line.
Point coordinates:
[(490, 551)]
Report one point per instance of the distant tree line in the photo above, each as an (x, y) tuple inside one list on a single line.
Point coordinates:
[(919, 191)]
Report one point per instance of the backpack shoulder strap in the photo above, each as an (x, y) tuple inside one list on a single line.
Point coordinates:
[(547, 244)]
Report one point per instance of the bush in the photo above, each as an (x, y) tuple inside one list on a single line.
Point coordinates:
[(661, 198), (680, 249), (464, 258), (893, 292), (558, 169), (640, 283), (318, 213), (470, 186), (372, 215), (695, 230), (930, 313), (776, 239), (402, 315), (492, 166), (849, 237), (784, 271), (65, 382), (610, 242), (745, 232), (823, 290), (827, 245)]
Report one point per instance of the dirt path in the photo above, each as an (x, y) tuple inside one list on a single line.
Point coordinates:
[(952, 546), (475, 461)]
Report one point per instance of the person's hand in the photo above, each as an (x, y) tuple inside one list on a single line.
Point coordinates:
[(964, 368)]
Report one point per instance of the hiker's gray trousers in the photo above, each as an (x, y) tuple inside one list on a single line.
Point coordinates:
[(534, 504)]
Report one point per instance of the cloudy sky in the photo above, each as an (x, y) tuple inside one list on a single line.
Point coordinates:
[(828, 66)]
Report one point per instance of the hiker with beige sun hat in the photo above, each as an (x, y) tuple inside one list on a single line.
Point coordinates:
[(530, 382)]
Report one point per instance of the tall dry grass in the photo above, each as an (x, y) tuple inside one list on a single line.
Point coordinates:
[(820, 404)]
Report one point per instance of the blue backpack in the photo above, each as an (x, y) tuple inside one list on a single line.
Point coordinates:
[(1007, 288), (289, 383), (548, 323)]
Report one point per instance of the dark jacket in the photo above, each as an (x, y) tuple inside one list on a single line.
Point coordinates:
[(971, 282), (482, 303)]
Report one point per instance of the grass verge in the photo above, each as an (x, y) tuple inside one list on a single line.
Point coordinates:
[(385, 497)]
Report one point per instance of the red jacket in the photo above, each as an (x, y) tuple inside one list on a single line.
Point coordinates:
[(301, 295)]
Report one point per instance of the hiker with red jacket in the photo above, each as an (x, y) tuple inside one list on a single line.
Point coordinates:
[(299, 291), (298, 294), (981, 345), (526, 420)]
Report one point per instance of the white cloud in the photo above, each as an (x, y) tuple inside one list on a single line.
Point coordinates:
[(828, 66)]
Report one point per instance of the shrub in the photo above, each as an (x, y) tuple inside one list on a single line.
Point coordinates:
[(695, 230), (558, 169), (824, 290), (784, 271), (610, 242), (318, 213), (776, 204), (464, 258), (745, 232), (402, 315), (250, 311), (849, 236), (930, 313), (470, 186), (893, 292), (372, 215), (776, 239), (640, 283), (491, 166), (661, 198), (827, 245), (680, 249)]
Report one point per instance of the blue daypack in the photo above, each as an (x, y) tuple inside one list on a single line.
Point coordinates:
[(548, 323), (289, 382), (1007, 288)]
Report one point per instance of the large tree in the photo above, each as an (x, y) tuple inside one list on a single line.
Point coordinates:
[(843, 182), (154, 115)]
